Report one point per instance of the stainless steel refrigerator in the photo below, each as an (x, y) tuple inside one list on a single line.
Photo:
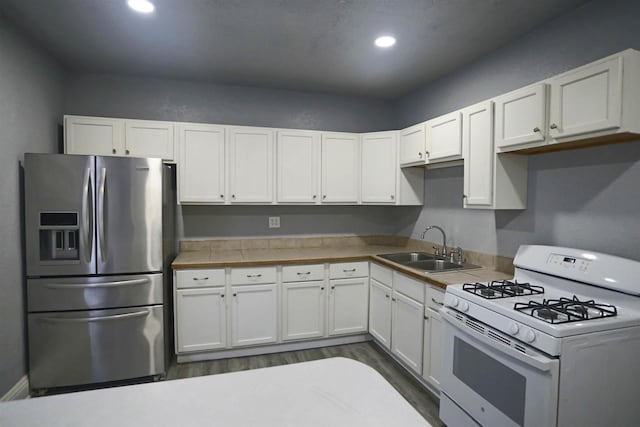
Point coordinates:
[(98, 242)]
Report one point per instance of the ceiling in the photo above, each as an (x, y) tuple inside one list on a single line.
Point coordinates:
[(319, 45)]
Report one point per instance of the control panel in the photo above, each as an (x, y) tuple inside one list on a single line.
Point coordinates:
[(569, 262)]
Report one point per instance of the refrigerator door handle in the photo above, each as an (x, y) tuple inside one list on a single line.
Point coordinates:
[(102, 219), (95, 319), (87, 222), (113, 284)]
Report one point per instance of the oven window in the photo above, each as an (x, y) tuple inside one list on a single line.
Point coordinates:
[(498, 384)]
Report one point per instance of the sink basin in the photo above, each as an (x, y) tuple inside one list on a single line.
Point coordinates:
[(405, 258), (422, 261)]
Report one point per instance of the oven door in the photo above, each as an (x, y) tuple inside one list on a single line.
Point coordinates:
[(494, 379)]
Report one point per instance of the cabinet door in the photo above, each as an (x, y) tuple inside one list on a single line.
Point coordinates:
[(407, 334), (201, 164), (340, 167), (477, 134), (298, 164), (303, 308), (587, 100), (254, 317), (445, 137), (380, 312), (200, 319), (147, 138), (379, 167), (251, 165), (432, 348), (348, 305), (521, 117), (413, 143), (94, 136)]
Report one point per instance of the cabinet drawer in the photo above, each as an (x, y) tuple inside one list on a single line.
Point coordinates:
[(345, 270), (199, 278), (253, 275), (303, 273), (409, 287), (435, 298), (382, 274)]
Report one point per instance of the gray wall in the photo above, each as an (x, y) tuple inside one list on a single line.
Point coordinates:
[(158, 99), (175, 100), (30, 111), (585, 198)]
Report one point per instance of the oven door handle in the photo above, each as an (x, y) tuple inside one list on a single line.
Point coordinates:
[(538, 361)]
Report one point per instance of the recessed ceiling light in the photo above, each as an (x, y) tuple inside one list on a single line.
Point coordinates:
[(142, 6), (385, 41)]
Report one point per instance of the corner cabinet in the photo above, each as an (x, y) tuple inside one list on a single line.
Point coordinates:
[(340, 168), (201, 164), (251, 164), (379, 167), (119, 137), (491, 181), (298, 166)]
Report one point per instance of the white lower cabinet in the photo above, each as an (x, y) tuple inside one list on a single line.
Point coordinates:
[(200, 319), (303, 310), (431, 359), (380, 312), (254, 314), (406, 334), (348, 305)]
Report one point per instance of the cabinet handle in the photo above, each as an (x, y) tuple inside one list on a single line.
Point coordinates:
[(114, 151), (233, 196), (221, 295), (333, 287), (420, 155), (200, 278), (315, 197), (253, 275), (464, 196), (127, 152), (553, 126), (426, 153), (392, 197), (322, 288), (536, 129), (426, 317), (222, 196), (386, 296), (352, 270), (235, 295), (324, 196), (437, 302), (393, 299), (303, 273)]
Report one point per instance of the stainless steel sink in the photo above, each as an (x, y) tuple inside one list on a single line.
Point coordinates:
[(407, 257), (429, 263)]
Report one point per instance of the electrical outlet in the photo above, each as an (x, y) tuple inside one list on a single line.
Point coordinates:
[(274, 222)]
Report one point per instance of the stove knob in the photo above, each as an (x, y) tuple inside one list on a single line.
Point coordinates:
[(513, 328), (454, 302), (464, 306), (529, 336)]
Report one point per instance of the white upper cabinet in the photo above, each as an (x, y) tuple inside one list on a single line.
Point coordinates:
[(491, 181), (521, 118), (478, 154), (93, 136), (413, 145), (298, 165), (149, 138), (379, 167), (340, 167), (201, 164), (251, 165), (586, 100), (444, 135)]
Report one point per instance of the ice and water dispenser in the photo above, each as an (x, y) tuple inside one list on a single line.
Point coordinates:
[(59, 236)]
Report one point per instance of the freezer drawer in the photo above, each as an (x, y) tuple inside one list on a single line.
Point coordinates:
[(89, 293), (85, 347)]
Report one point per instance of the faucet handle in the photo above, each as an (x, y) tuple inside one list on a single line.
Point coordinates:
[(436, 251), (459, 253)]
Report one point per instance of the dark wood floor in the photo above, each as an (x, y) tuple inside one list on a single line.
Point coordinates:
[(366, 352)]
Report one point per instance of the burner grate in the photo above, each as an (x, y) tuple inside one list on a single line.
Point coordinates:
[(565, 310), (502, 289)]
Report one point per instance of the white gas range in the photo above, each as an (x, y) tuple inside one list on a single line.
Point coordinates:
[(559, 345)]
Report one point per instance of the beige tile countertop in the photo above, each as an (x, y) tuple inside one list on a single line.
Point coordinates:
[(215, 255)]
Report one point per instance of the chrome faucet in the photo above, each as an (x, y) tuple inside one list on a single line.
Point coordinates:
[(444, 238)]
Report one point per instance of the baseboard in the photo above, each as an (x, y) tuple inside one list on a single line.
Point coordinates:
[(274, 348), (20, 390)]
